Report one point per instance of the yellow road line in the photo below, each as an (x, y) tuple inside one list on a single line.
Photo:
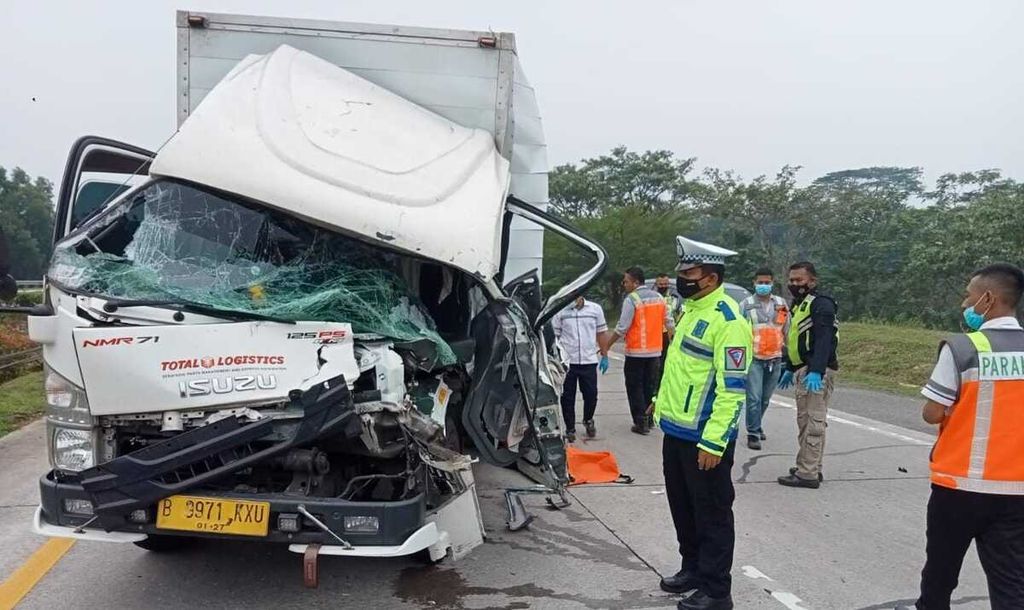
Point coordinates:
[(32, 571)]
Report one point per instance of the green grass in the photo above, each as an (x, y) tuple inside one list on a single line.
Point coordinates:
[(887, 357), (21, 401)]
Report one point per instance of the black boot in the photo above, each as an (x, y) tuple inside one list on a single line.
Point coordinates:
[(680, 582), (821, 477), (754, 442), (794, 481), (701, 601)]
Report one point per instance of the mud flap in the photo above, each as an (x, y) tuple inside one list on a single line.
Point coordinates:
[(311, 566)]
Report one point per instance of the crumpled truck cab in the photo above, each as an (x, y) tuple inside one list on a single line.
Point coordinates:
[(291, 325)]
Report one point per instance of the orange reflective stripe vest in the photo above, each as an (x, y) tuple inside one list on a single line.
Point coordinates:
[(769, 331), (644, 335), (981, 441)]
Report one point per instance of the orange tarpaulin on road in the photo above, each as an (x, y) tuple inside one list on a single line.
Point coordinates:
[(593, 467)]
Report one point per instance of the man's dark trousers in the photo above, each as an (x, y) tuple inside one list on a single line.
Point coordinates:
[(701, 506), (584, 375), (665, 343), (996, 524), (641, 383)]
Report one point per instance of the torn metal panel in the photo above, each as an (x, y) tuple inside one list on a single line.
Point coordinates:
[(320, 142)]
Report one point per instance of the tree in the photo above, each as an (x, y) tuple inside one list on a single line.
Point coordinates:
[(26, 215), (885, 247), (770, 222), (630, 235), (976, 221), (654, 181), (634, 204), (899, 181)]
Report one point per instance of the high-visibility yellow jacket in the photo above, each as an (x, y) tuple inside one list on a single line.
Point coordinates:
[(705, 378)]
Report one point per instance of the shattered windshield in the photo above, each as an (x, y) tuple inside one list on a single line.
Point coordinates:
[(172, 241)]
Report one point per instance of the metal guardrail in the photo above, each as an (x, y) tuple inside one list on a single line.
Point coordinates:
[(30, 283), (16, 359)]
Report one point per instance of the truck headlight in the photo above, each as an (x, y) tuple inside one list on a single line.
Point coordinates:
[(70, 425), (62, 396), (72, 449)]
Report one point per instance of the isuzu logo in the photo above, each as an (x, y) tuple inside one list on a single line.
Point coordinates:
[(226, 385)]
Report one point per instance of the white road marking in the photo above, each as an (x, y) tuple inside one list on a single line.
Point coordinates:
[(896, 432), (785, 598), (788, 600), (752, 572)]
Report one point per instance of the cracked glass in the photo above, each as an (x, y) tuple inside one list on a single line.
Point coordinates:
[(171, 241)]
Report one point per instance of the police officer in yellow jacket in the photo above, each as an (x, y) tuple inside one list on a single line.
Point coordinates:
[(697, 407)]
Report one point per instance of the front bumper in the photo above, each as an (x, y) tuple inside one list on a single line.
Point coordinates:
[(398, 520)]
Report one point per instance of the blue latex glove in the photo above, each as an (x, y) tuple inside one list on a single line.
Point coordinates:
[(786, 380), (603, 365), (813, 382)]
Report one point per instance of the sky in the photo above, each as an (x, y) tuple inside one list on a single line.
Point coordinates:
[(743, 85)]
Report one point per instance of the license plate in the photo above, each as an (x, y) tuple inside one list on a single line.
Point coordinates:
[(213, 515)]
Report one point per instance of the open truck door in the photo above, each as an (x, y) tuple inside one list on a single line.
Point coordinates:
[(98, 170), (512, 412)]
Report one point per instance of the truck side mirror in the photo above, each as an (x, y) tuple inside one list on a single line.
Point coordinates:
[(8, 288)]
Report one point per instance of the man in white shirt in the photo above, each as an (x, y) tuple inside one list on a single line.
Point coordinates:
[(976, 394), (581, 329)]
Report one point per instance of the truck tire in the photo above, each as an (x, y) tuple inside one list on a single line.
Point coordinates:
[(162, 544)]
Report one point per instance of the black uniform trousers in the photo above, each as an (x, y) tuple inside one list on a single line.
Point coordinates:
[(584, 375), (641, 376), (701, 506), (665, 344), (996, 525)]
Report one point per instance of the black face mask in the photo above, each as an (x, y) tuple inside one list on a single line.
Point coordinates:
[(688, 288), (662, 290), (799, 292)]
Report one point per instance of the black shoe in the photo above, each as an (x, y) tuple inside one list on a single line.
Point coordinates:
[(701, 601), (754, 443), (570, 435), (821, 477), (795, 481), (637, 429), (680, 582), (591, 428), (764, 436)]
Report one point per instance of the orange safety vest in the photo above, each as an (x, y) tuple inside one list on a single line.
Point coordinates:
[(981, 441), (644, 335), (768, 337)]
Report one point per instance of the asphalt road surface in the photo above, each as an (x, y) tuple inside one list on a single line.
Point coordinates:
[(855, 543)]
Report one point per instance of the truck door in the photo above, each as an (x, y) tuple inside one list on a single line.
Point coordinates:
[(512, 410), (97, 171)]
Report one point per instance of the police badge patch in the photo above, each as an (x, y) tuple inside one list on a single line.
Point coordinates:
[(735, 358)]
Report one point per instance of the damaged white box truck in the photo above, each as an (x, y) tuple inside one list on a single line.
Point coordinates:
[(293, 322)]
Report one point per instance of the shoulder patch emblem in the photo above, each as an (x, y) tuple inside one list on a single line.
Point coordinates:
[(700, 328), (735, 358), (726, 311)]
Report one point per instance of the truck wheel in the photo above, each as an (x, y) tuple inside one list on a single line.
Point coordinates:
[(162, 544)]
